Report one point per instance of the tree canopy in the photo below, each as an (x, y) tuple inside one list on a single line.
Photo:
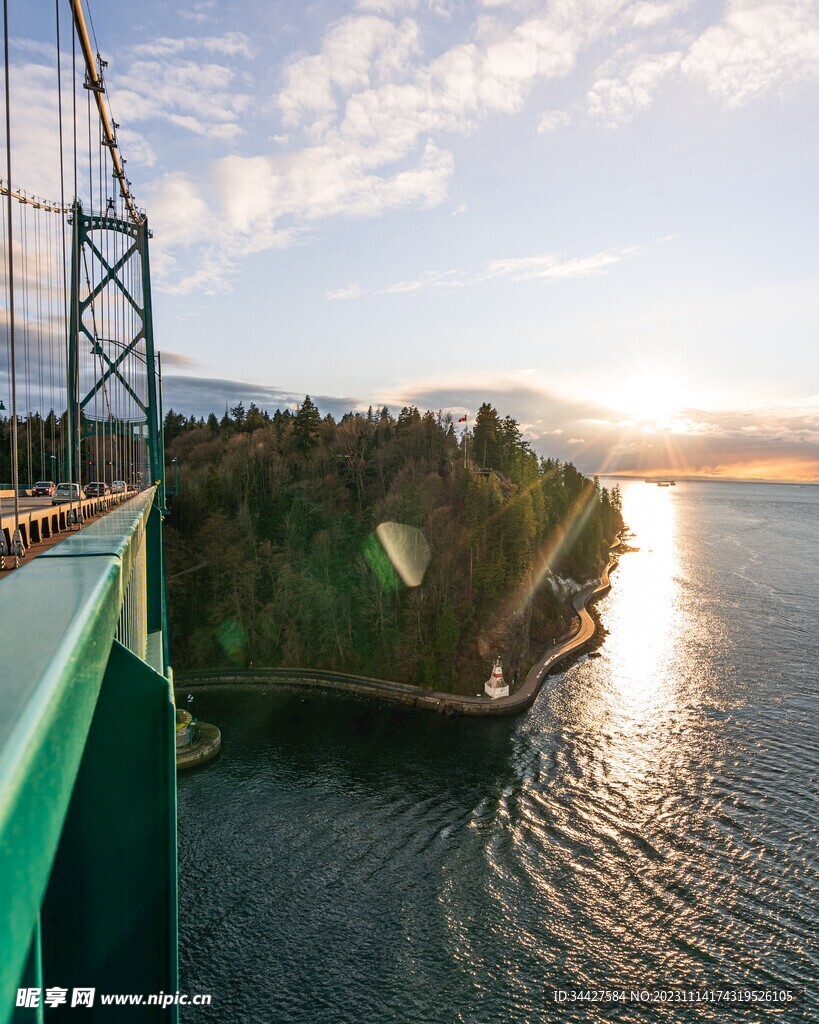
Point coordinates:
[(275, 559)]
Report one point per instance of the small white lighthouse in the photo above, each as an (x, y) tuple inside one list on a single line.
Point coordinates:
[(495, 685)]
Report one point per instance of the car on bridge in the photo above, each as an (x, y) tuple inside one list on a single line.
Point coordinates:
[(119, 487), (97, 489), (67, 492), (43, 489)]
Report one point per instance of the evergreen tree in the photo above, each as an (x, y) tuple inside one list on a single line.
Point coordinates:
[(486, 438), (307, 427)]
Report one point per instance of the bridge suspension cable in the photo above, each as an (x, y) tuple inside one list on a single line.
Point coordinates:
[(16, 542), (94, 83), (81, 368)]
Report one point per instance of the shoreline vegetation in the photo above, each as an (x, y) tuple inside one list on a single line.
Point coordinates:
[(377, 547), (414, 696)]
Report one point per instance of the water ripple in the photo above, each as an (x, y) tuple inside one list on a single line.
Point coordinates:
[(651, 821)]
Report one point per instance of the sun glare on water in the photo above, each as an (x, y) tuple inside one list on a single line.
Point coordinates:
[(643, 655)]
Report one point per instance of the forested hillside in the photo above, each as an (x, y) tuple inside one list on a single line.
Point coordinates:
[(273, 558)]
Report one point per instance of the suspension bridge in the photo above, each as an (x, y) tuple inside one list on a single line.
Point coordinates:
[(87, 722)]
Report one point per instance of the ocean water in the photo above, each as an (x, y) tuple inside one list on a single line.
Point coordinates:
[(650, 824)]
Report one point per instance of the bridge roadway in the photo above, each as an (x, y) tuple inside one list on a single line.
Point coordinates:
[(41, 521), (414, 696)]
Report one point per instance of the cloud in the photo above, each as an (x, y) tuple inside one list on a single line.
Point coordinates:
[(231, 44), (459, 210), (544, 267), (196, 96), (648, 14), (782, 442), (350, 291), (767, 441), (759, 46), (387, 7), (363, 123), (199, 396), (369, 115), (615, 99), (550, 267), (552, 120), (356, 53), (199, 13), (271, 202), (177, 359)]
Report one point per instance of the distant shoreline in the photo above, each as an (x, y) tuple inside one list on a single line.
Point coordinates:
[(413, 696), (707, 480)]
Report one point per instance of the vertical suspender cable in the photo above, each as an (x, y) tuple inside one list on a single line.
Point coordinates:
[(90, 292), (67, 443), (41, 400), (26, 311), (16, 544), (75, 279)]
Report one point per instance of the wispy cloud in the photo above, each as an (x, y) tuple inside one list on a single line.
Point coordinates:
[(350, 291), (551, 120), (199, 13), (231, 44), (550, 267), (543, 267)]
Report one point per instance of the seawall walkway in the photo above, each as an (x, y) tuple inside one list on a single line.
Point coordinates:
[(414, 696)]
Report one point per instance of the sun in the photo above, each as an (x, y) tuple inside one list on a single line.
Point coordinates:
[(649, 397)]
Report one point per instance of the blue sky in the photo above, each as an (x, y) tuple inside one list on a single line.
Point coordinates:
[(599, 215)]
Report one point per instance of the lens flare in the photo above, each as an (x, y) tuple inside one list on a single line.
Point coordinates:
[(407, 550)]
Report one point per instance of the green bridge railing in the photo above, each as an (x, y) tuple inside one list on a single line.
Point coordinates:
[(88, 884)]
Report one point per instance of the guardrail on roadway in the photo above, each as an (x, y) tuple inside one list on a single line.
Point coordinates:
[(87, 766), (41, 523)]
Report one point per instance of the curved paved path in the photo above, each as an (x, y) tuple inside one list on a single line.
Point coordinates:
[(414, 696)]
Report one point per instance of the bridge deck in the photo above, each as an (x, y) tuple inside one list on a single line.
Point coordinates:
[(40, 521)]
